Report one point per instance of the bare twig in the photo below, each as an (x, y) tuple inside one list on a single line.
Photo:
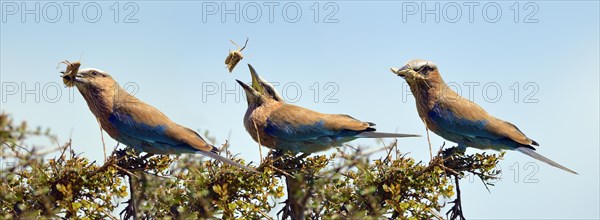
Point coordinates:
[(391, 148), (258, 137), (428, 140), (293, 207), (129, 173), (456, 211), (132, 199), (108, 214), (102, 137), (265, 215), (281, 171)]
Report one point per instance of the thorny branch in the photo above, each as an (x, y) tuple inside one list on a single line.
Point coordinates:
[(349, 183)]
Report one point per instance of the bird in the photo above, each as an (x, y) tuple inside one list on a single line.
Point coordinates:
[(273, 123), (136, 124), (459, 120)]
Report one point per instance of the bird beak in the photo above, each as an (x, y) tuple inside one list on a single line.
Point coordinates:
[(249, 90), (402, 72), (244, 86), (256, 80), (79, 78), (70, 79)]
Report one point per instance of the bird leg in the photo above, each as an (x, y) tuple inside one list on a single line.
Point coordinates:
[(148, 155), (278, 153), (300, 157), (462, 148), (459, 150)]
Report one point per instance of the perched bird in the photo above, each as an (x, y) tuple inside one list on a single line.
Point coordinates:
[(278, 125), (459, 120), (136, 124)]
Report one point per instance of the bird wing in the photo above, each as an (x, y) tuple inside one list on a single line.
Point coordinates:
[(510, 131), (140, 120), (469, 119), (294, 123)]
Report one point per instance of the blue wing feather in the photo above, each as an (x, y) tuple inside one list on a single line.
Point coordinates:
[(297, 132), (448, 120), (128, 126), (305, 132)]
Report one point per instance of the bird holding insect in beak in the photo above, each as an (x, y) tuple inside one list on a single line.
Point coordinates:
[(136, 124), (459, 120), (281, 126)]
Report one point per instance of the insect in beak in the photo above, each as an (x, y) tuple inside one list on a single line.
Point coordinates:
[(70, 73)]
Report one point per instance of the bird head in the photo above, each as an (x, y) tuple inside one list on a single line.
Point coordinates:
[(92, 79), (260, 90), (417, 71), (266, 88)]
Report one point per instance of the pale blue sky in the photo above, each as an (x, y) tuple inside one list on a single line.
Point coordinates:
[(171, 52)]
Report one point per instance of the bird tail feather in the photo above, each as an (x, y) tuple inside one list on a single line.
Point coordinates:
[(372, 134), (227, 161), (535, 155)]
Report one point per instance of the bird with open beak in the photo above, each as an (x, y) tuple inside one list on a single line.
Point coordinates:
[(459, 120), (281, 126), (136, 124)]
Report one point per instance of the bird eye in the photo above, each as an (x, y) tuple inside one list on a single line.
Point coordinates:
[(424, 70), (94, 73)]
